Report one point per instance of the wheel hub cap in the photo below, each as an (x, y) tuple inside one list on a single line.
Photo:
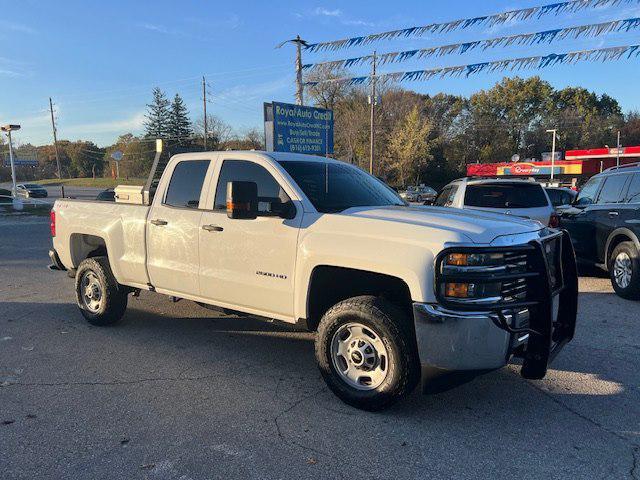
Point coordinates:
[(91, 291), (359, 356), (622, 270)]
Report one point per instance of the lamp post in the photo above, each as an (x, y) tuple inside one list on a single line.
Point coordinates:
[(8, 129), (618, 151), (553, 151)]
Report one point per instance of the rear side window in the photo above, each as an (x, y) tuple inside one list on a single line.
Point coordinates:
[(613, 187), (511, 195), (446, 196), (633, 195), (269, 190), (186, 184)]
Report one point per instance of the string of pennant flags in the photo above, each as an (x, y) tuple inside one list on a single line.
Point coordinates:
[(537, 62), (487, 20), (525, 39)]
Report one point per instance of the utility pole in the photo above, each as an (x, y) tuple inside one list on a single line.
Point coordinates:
[(204, 105), (553, 151), (55, 139), (299, 86), (8, 129), (618, 151), (373, 113)]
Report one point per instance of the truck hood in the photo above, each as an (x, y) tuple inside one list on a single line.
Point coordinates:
[(477, 226)]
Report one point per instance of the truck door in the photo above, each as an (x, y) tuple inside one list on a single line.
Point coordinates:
[(250, 263), (173, 227)]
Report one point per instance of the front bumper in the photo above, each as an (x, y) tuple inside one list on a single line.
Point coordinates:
[(454, 339)]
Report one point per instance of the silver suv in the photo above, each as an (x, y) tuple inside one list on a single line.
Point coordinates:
[(523, 198)]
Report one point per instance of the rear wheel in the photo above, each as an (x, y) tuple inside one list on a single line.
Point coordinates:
[(102, 301), (624, 270), (366, 352)]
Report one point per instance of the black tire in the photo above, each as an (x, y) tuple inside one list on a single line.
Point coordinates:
[(396, 332), (113, 297), (632, 290)]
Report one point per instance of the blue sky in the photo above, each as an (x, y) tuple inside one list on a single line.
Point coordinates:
[(99, 60)]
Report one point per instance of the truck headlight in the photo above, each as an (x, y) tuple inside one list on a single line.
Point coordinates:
[(473, 277), (474, 259)]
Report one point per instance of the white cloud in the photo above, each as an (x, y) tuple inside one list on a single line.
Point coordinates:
[(154, 27), (132, 124), (10, 73), (327, 13), (337, 14), (16, 27)]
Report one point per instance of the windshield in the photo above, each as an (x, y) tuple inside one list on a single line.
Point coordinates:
[(32, 185), (506, 195), (333, 187)]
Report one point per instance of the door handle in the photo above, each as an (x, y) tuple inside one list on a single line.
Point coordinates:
[(159, 223), (613, 214), (212, 228)]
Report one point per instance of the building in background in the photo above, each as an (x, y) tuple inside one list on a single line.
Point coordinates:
[(574, 170)]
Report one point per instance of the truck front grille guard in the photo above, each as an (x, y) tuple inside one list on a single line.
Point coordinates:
[(550, 271)]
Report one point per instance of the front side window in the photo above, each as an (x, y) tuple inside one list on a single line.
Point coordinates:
[(269, 190), (633, 195), (587, 194), (334, 187), (613, 187), (506, 195), (186, 183), (446, 196)]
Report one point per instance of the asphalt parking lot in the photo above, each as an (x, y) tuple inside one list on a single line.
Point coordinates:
[(179, 392)]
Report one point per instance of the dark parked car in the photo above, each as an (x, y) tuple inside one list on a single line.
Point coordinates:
[(31, 190), (108, 195), (604, 224), (560, 196)]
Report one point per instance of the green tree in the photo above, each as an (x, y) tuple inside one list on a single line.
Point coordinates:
[(137, 155), (409, 146), (179, 126), (86, 159), (158, 115)]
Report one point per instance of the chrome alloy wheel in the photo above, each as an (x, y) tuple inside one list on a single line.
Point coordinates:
[(622, 270), (91, 291), (359, 356)]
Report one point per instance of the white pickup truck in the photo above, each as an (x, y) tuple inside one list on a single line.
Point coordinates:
[(395, 292)]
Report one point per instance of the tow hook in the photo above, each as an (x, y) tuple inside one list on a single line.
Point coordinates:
[(500, 321)]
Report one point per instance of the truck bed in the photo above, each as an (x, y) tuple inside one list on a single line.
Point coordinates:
[(87, 225)]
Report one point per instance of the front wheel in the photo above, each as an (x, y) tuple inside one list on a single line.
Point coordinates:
[(624, 270), (102, 301), (366, 352)]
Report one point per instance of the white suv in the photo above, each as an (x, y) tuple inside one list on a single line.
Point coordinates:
[(523, 198)]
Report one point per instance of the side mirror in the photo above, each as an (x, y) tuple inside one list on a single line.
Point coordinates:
[(242, 200)]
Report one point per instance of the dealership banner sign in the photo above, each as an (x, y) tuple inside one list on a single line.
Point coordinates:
[(298, 129), (20, 162), (529, 169)]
